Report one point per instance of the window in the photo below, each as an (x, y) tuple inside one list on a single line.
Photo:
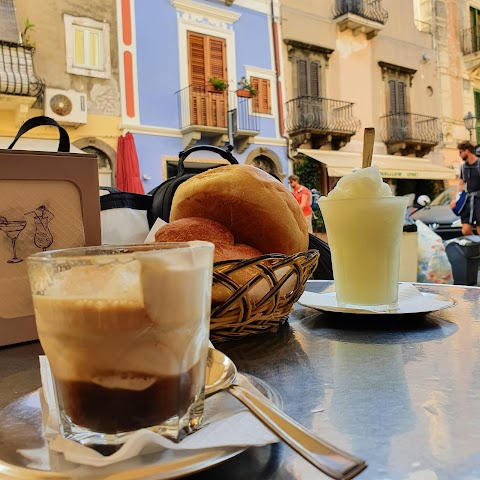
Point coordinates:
[(261, 102), (8, 22), (206, 56), (88, 47), (207, 59), (475, 29), (397, 96), (476, 97), (308, 78), (309, 66)]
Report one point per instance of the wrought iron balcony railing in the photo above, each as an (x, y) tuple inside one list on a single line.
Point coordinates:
[(411, 128), (319, 114), (470, 40), (369, 9), (198, 106), (17, 75)]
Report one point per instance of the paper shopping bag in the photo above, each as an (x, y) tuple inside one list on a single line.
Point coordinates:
[(48, 201)]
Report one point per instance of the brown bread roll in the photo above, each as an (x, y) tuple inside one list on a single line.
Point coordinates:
[(259, 210), (234, 252), (194, 228)]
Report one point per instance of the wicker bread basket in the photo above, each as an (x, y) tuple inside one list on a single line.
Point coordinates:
[(261, 304)]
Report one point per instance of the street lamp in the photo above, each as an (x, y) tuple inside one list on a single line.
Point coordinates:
[(470, 122)]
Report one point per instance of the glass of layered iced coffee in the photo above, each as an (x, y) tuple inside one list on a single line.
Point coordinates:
[(125, 330), (364, 224)]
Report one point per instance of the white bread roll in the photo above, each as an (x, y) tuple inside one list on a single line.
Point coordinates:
[(258, 209), (240, 277)]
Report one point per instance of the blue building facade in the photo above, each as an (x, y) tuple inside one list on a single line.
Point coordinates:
[(172, 52)]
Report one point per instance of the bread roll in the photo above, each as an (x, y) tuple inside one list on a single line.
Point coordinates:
[(259, 210), (234, 252), (194, 228), (221, 293)]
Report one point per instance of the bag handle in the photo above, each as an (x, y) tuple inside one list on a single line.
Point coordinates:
[(64, 143), (226, 154)]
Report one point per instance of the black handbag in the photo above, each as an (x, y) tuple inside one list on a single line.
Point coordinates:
[(163, 194)]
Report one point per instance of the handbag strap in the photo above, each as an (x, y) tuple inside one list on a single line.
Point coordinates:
[(64, 143), (226, 154)]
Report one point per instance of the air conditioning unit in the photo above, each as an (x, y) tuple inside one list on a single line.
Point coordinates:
[(67, 107)]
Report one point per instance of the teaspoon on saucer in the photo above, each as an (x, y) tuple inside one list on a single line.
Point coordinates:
[(221, 375)]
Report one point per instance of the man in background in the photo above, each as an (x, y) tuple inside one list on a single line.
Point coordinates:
[(303, 196), (469, 181)]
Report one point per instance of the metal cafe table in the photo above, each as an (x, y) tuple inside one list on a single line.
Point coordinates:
[(400, 391)]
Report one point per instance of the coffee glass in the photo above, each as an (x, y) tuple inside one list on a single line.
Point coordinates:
[(125, 330), (364, 235)]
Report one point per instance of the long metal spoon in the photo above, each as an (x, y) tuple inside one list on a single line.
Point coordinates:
[(221, 375)]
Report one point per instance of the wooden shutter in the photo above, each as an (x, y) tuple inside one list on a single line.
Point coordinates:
[(216, 65), (8, 22), (207, 59), (401, 97), (476, 97), (398, 96), (314, 79), (302, 78), (256, 100), (392, 90), (265, 99), (262, 101), (196, 60)]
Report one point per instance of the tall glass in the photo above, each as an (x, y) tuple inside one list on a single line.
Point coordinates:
[(125, 330), (364, 236)]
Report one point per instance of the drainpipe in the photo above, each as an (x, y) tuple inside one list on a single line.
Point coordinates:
[(277, 51)]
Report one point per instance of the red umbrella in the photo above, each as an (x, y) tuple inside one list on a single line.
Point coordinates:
[(128, 172)]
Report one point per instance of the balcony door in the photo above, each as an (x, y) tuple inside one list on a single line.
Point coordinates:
[(399, 121), (476, 97), (309, 104), (475, 28), (207, 59)]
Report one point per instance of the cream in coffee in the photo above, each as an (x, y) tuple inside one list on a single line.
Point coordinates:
[(123, 355)]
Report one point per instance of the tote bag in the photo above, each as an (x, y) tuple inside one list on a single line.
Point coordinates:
[(48, 201)]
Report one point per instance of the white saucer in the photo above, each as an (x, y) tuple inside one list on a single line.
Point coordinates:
[(410, 301)]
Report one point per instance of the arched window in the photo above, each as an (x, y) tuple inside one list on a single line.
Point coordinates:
[(265, 164), (104, 166)]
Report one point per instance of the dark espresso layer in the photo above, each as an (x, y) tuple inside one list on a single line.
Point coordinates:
[(115, 410)]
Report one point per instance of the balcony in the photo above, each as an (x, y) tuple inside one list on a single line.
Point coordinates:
[(204, 115), (360, 16), (470, 43), (19, 86), (410, 133), (320, 121)]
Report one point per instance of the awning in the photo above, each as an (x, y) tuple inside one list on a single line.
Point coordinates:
[(391, 166)]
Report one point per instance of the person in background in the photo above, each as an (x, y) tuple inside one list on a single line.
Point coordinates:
[(303, 196), (470, 181)]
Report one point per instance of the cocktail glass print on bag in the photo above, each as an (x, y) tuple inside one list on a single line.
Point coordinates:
[(125, 330), (43, 237), (364, 236), (12, 230)]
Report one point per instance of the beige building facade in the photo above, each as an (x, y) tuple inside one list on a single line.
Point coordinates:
[(351, 64), (455, 25), (65, 67)]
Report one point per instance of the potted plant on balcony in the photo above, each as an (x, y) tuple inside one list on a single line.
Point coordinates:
[(245, 89), (216, 84)]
